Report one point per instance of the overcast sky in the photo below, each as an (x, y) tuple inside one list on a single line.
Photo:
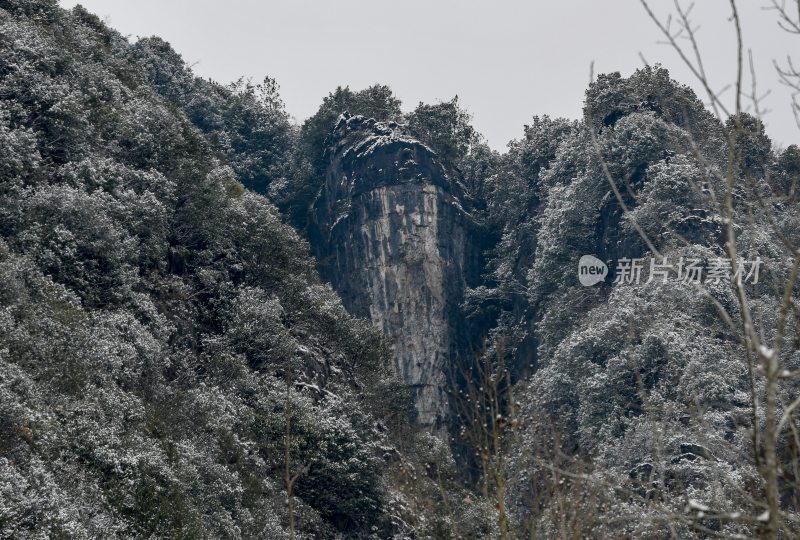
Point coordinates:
[(506, 60)]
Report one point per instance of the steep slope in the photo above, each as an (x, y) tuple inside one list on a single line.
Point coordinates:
[(168, 353), (392, 235), (641, 384), (173, 365)]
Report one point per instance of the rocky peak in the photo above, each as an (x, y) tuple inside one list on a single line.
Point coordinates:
[(391, 235)]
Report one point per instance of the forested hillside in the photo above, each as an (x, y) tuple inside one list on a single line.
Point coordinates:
[(168, 354), (644, 385), (177, 360)]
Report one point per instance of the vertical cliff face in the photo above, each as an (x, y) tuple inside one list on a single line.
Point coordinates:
[(391, 235)]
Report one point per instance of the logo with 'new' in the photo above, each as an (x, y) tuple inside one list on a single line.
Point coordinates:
[(591, 270)]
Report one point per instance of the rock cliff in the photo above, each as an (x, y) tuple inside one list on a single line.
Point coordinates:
[(391, 234)]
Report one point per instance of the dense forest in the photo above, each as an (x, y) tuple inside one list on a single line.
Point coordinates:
[(176, 363)]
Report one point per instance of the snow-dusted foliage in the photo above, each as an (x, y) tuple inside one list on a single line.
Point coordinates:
[(172, 366), (641, 396), (168, 355)]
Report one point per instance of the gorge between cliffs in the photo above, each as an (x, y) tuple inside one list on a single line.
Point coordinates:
[(220, 321)]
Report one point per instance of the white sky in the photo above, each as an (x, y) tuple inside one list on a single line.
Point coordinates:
[(507, 60)]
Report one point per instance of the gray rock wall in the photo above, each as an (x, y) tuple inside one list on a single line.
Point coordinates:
[(390, 234)]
